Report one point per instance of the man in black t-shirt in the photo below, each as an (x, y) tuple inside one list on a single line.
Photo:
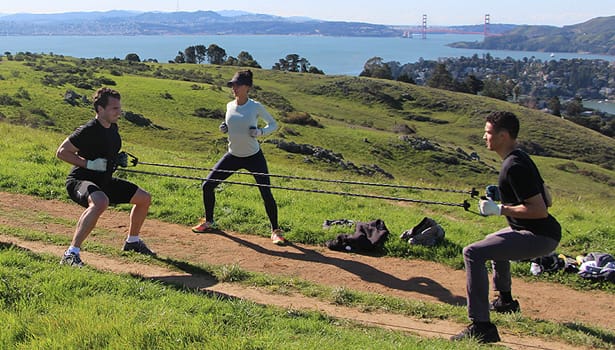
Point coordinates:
[(532, 231), (92, 150)]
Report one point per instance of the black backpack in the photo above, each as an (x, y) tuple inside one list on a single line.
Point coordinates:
[(427, 232), (368, 236)]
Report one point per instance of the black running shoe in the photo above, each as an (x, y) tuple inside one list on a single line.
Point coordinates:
[(503, 307), (484, 332), (138, 247), (71, 259)]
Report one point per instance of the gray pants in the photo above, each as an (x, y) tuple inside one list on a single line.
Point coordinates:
[(500, 247)]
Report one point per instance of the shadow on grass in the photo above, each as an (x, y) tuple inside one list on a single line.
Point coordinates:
[(8, 246), (366, 272), (608, 338), (196, 278)]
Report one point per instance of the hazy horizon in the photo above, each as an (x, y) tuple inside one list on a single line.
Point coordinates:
[(389, 12)]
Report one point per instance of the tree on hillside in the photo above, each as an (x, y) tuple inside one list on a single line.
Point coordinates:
[(180, 58), (295, 63), (555, 106), (132, 57), (314, 70), (215, 54), (289, 64), (200, 53), (244, 59), (574, 107), (190, 54), (376, 68), (441, 78), (406, 78), (231, 61), (473, 85), (496, 87)]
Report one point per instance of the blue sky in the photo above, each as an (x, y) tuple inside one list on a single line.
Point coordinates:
[(406, 12)]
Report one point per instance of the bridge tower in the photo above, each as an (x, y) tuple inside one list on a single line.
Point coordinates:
[(424, 28), (486, 29)]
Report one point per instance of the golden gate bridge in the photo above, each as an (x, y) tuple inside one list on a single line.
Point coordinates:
[(424, 29)]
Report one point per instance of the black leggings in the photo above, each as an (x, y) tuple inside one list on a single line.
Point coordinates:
[(256, 164)]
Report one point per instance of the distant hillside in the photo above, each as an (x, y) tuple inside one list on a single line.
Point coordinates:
[(596, 36), (395, 117), (182, 23)]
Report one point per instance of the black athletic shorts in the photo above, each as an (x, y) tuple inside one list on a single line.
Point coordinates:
[(118, 190)]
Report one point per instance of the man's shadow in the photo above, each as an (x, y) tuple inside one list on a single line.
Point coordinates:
[(366, 272), (197, 278)]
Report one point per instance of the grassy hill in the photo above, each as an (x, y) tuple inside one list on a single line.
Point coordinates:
[(379, 131), (594, 36)]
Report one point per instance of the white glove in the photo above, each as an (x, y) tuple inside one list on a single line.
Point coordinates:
[(489, 207), (98, 164), (256, 132), (223, 127)]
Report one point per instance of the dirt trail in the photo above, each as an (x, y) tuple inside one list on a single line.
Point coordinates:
[(415, 279)]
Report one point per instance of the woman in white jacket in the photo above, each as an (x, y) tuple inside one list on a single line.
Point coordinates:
[(244, 152)]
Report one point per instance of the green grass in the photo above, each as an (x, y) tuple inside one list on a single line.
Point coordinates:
[(48, 306), (358, 116)]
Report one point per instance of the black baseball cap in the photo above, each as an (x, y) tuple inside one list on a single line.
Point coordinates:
[(241, 78)]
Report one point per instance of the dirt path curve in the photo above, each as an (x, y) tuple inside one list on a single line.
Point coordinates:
[(414, 279)]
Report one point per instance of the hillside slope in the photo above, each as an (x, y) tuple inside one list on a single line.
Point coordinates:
[(596, 36), (164, 92), (331, 127)]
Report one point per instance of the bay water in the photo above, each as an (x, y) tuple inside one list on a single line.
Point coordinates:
[(333, 55)]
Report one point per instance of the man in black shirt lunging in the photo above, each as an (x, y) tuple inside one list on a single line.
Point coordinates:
[(532, 231), (92, 150)]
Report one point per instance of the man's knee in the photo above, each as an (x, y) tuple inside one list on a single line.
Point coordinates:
[(98, 201), (142, 198), (470, 252)]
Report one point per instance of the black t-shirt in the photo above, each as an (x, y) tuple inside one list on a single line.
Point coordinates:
[(95, 141), (519, 180)]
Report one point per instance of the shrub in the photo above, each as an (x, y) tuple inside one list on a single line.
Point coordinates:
[(273, 99), (208, 113), (137, 119), (23, 93), (39, 111), (300, 118), (290, 131), (7, 100), (106, 81)]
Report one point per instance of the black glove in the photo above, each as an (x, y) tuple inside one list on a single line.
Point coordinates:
[(122, 159)]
